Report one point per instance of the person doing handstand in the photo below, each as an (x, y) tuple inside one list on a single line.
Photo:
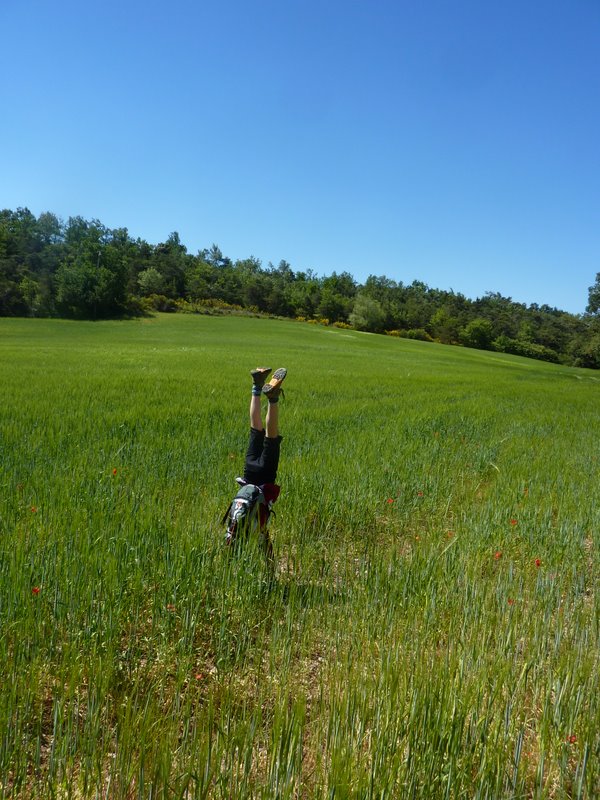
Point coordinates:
[(251, 506)]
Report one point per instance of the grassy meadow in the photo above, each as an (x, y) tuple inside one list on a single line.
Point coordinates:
[(433, 629)]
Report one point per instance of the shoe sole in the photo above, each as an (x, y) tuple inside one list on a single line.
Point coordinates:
[(275, 382)]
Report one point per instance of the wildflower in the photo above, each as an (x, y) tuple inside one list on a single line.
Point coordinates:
[(497, 555), (450, 534), (417, 538), (513, 521), (571, 739), (198, 676), (170, 607), (34, 509), (419, 494), (538, 562), (390, 500), (114, 471), (35, 590), (511, 602)]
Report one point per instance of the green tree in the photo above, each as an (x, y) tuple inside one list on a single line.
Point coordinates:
[(304, 294), (593, 306), (171, 261), (367, 314), (444, 326), (478, 333), (199, 280), (18, 247), (32, 293), (91, 280), (150, 281), (333, 306), (215, 257)]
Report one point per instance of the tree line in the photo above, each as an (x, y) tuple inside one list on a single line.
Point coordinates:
[(84, 270)]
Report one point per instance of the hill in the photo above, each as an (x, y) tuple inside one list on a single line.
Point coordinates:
[(433, 627)]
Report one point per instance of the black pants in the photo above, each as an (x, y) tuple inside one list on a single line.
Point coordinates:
[(262, 458)]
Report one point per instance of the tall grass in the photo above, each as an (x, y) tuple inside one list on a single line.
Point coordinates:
[(433, 627)]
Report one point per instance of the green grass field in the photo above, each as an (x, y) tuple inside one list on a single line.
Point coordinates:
[(433, 631)]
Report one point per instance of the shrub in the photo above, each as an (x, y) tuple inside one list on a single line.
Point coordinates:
[(521, 347), (412, 333), (586, 352), (158, 302), (212, 302), (210, 306), (478, 334), (419, 333), (136, 306)]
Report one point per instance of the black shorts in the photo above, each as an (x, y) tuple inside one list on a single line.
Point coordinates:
[(262, 458)]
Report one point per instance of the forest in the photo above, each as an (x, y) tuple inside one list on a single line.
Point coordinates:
[(82, 269)]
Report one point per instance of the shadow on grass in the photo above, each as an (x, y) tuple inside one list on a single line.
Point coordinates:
[(306, 594)]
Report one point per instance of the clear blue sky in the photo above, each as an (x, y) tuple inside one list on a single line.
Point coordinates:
[(453, 142)]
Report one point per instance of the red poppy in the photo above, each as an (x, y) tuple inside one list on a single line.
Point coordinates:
[(419, 494), (511, 602), (114, 470), (513, 521), (497, 555), (35, 590), (571, 739), (170, 607), (34, 509), (390, 500), (198, 676), (538, 562)]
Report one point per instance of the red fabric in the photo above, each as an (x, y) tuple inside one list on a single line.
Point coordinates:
[(271, 491)]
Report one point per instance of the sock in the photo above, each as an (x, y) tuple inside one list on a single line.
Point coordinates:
[(256, 391)]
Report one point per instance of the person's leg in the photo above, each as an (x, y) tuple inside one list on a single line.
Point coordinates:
[(252, 468), (272, 420), (255, 413), (273, 390), (259, 376), (270, 455), (261, 466), (271, 445)]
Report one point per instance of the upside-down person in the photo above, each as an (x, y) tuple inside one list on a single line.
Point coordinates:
[(251, 507)]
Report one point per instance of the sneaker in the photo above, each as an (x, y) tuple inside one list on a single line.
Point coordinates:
[(259, 376), (273, 388)]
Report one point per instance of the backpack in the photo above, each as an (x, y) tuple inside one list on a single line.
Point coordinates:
[(249, 512)]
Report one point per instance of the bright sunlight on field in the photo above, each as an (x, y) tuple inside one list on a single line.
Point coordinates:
[(433, 629)]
